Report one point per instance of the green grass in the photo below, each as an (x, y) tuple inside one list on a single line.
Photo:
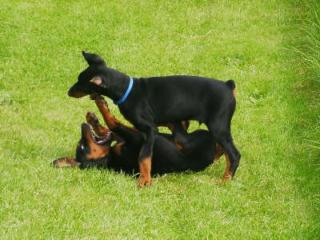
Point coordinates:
[(310, 50), (275, 194)]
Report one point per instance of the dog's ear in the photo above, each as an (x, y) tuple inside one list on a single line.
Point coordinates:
[(97, 80), (93, 59)]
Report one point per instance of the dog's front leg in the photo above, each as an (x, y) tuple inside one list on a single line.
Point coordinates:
[(145, 156), (109, 119)]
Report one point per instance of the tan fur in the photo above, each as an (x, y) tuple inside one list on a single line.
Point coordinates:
[(96, 80), (145, 172)]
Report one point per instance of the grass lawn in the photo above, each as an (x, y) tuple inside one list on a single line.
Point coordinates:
[(275, 194)]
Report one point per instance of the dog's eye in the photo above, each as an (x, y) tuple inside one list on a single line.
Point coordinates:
[(82, 147)]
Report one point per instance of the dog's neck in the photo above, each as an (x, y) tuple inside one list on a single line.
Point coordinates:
[(118, 86)]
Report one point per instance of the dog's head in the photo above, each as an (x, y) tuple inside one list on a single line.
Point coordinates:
[(92, 151), (97, 78)]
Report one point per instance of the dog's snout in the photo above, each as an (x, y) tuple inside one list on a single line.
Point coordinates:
[(70, 92), (75, 92)]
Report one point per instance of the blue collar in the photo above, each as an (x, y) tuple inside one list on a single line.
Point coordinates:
[(126, 94)]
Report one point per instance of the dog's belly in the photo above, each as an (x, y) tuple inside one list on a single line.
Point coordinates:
[(180, 110)]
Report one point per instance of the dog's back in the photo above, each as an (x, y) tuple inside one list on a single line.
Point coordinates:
[(177, 98)]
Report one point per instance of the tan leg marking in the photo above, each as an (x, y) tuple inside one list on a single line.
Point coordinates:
[(227, 173), (145, 172), (109, 119), (178, 146), (219, 152), (65, 162)]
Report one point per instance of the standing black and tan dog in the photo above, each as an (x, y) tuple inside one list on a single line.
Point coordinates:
[(149, 102)]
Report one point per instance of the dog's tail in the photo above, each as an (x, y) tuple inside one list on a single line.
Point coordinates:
[(232, 85)]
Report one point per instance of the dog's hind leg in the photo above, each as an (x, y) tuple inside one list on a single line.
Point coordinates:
[(219, 152), (221, 133)]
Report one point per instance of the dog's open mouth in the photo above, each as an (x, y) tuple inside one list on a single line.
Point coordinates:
[(89, 134), (102, 140)]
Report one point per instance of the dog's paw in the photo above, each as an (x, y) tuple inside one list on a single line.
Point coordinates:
[(227, 177), (65, 162), (143, 181), (100, 101), (92, 119)]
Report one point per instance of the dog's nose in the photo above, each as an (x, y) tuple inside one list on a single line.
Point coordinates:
[(75, 92), (70, 93)]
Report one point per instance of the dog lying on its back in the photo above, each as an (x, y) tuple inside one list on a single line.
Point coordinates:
[(149, 102), (117, 147)]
